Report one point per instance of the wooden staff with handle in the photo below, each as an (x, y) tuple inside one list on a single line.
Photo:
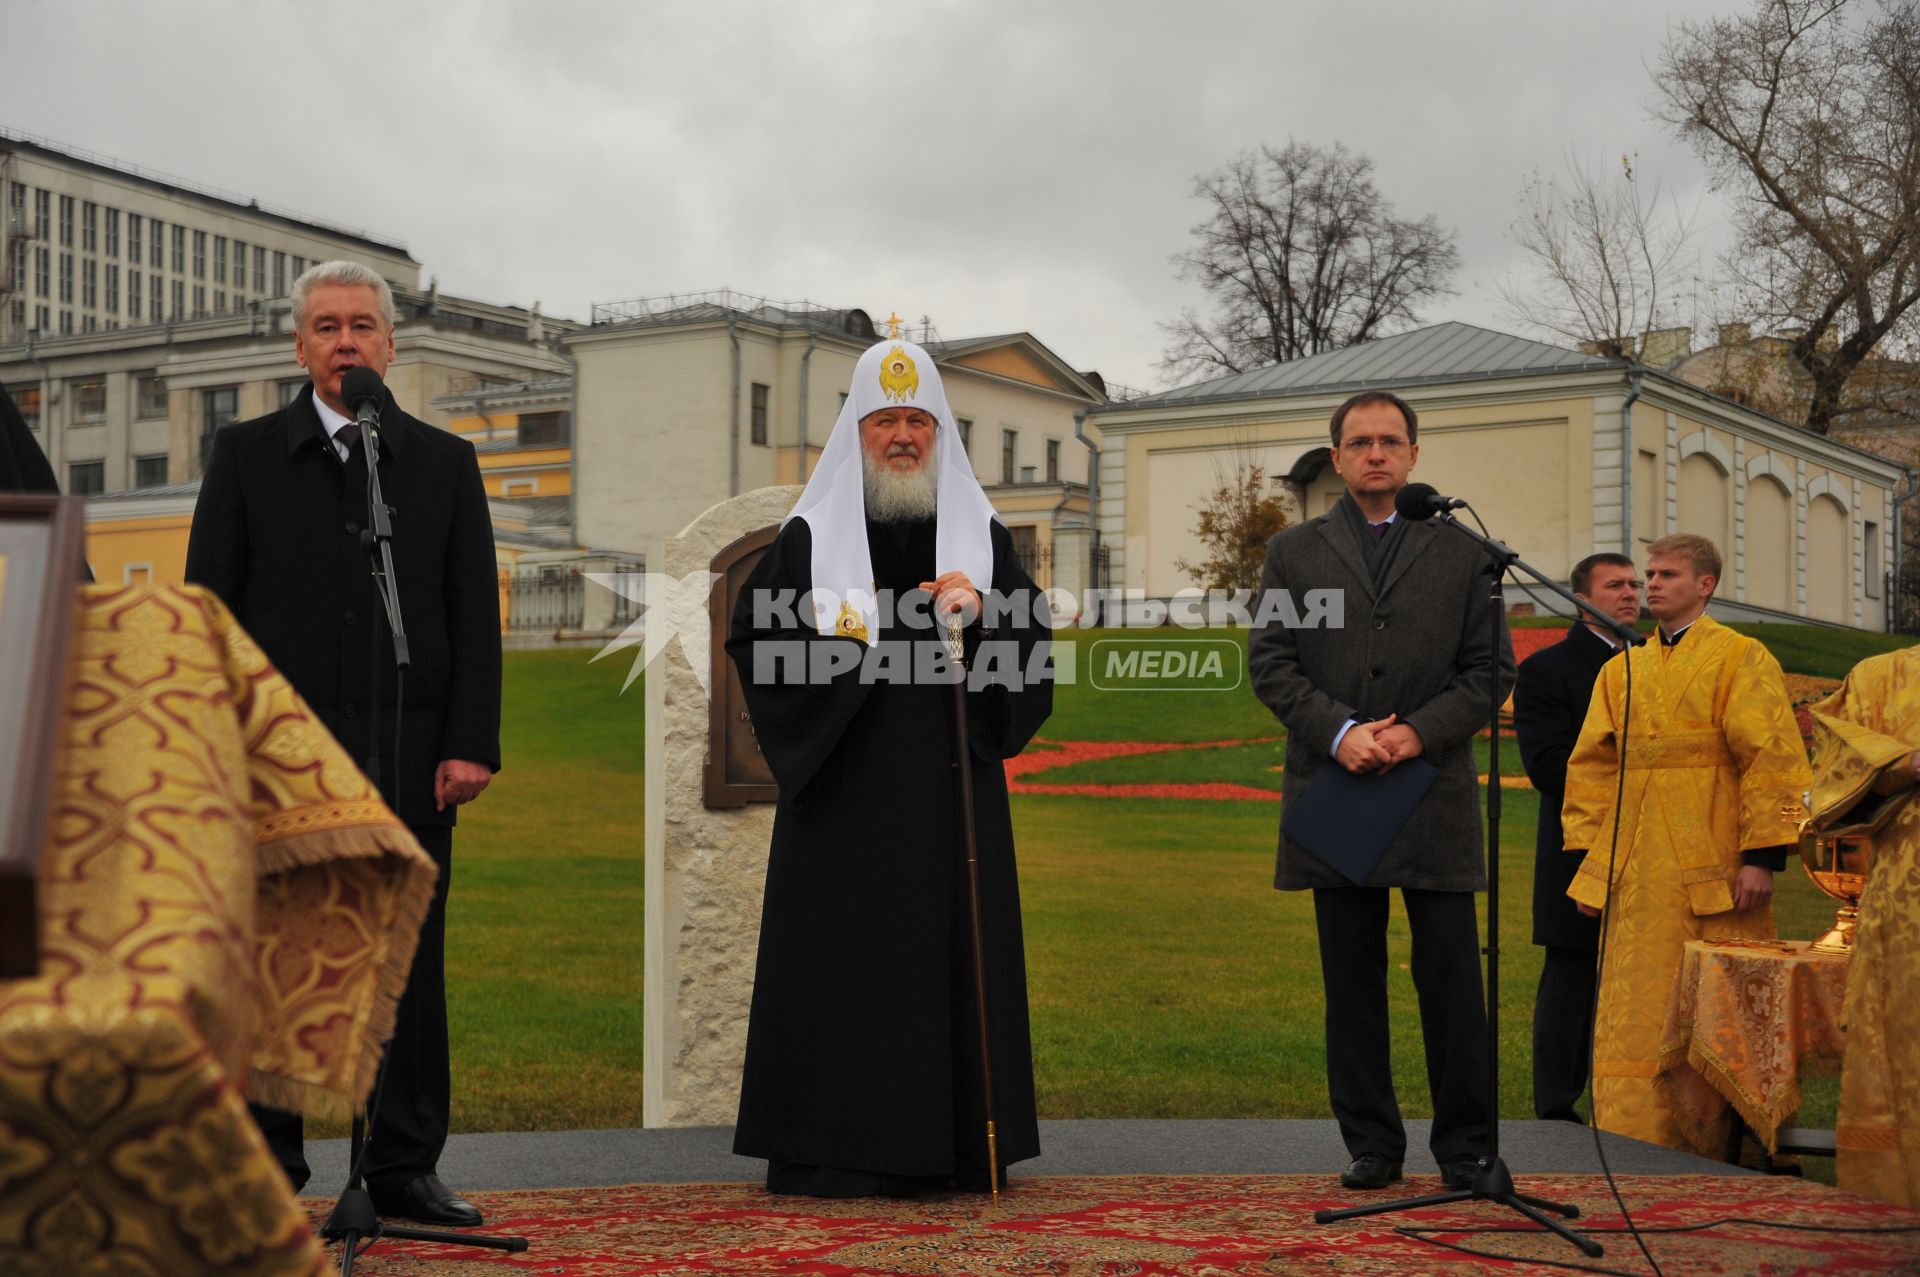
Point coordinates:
[(956, 650)]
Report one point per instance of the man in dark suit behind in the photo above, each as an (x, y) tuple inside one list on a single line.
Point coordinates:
[(1409, 673), (276, 535), (1549, 703)]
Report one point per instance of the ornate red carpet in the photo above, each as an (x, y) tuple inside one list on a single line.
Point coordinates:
[(1160, 1226)]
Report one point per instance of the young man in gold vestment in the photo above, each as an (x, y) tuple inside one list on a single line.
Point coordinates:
[(1715, 771), (1866, 756)]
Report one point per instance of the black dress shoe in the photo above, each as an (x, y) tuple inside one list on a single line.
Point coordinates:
[(424, 1199), (1458, 1172), (1370, 1170)]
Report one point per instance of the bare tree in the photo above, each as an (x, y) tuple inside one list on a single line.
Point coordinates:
[(1606, 259), (1808, 111), (1299, 254)]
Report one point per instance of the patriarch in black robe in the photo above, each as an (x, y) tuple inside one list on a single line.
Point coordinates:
[(862, 1070)]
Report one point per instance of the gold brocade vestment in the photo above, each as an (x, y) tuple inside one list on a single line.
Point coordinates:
[(1862, 737), (1714, 766)]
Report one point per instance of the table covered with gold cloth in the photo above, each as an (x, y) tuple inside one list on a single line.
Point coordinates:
[(227, 909), (1747, 1018)]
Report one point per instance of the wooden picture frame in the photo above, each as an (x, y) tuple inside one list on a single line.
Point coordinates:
[(42, 559)]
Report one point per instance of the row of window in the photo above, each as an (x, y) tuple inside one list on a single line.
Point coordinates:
[(1009, 439), (88, 478), (100, 233)]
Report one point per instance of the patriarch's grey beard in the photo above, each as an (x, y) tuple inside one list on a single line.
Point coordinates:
[(894, 496)]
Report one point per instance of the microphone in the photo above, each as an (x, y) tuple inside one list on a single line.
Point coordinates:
[(1419, 501), (363, 392)]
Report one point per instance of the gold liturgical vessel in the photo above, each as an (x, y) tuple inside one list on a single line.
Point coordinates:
[(1838, 864)]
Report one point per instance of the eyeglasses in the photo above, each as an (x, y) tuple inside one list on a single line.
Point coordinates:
[(1361, 445)]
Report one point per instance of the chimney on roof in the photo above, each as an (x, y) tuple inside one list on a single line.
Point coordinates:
[(1735, 334), (1665, 347)]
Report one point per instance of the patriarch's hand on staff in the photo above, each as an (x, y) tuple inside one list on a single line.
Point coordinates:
[(457, 781), (1753, 887), (1360, 749), (953, 592)]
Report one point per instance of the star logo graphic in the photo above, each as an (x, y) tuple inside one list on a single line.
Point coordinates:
[(669, 609)]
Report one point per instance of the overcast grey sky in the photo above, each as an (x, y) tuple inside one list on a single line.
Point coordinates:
[(996, 165)]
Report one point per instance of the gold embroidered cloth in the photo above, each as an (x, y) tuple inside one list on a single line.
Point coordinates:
[(1746, 1019), (226, 905), (1862, 737), (1714, 765)]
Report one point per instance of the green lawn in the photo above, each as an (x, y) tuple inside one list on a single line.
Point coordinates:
[(1167, 978)]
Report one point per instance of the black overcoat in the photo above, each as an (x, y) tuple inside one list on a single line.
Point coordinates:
[(861, 1047), (276, 535), (1418, 645), (1550, 701)]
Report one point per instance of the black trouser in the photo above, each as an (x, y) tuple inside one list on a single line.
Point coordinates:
[(410, 1128), (1453, 1018), (1562, 1033)]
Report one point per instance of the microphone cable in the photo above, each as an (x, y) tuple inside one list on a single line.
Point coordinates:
[(1606, 918)]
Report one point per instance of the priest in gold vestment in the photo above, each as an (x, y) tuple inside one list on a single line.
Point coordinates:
[(1865, 738), (1715, 771)]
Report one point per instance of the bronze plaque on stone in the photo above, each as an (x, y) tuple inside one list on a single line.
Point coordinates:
[(42, 551), (736, 773)]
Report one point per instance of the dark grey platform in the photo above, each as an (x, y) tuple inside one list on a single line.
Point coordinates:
[(581, 1159)]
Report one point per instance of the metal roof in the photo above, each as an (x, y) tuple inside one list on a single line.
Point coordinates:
[(1442, 352)]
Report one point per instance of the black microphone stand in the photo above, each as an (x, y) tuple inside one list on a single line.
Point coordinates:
[(1491, 1180), (353, 1218)]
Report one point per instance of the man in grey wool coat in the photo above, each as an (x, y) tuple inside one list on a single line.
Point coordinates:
[(1407, 675)]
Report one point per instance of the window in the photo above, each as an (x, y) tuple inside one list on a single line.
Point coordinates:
[(133, 238), (545, 429), (520, 488), (66, 221), (113, 232), (239, 264), (259, 270), (137, 574), (42, 214), (150, 472), (157, 294), (219, 259), (1024, 544), (1007, 440), (155, 233), (66, 277), (27, 398), (199, 254), (42, 319), (42, 270), (1053, 461), (88, 323), (1870, 536), (199, 300), (219, 405), (89, 399), (66, 322), (84, 478), (179, 300), (89, 227), (133, 293), (151, 396), (219, 301), (290, 389), (113, 287), (90, 284), (279, 274), (966, 433), (759, 427), (299, 266), (179, 250)]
